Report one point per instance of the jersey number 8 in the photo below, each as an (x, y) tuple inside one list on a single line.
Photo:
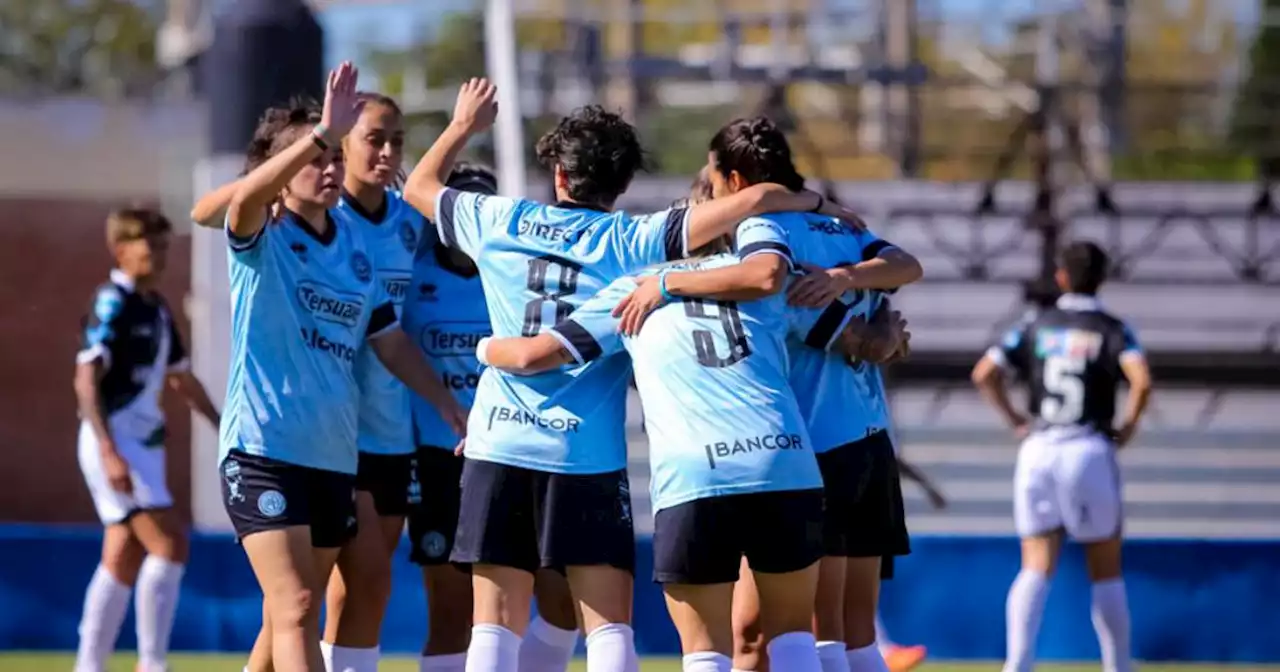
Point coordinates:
[(1064, 402), (536, 282), (704, 342)]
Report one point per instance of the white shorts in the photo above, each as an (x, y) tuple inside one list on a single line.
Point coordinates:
[(146, 469), (1067, 480)]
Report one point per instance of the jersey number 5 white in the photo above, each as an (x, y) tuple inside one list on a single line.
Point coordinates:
[(1063, 403)]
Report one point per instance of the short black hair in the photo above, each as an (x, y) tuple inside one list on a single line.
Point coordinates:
[(278, 128), (473, 177), (758, 150), (598, 152), (1085, 265)]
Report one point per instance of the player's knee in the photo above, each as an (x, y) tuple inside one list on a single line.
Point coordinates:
[(174, 547), (447, 632), (293, 608), (748, 648), (1102, 560)]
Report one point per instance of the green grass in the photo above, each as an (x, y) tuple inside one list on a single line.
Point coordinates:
[(60, 662)]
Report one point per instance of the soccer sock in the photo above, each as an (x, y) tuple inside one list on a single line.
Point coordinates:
[(794, 652), (866, 659), (493, 649), (1111, 622), (349, 659), (453, 662), (546, 648), (156, 603), (882, 635), (832, 657), (105, 603), (611, 648), (706, 661), (1023, 611)]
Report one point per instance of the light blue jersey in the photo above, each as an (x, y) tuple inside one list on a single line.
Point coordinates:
[(391, 236), (712, 375), (537, 264), (840, 403), (302, 305), (446, 315)]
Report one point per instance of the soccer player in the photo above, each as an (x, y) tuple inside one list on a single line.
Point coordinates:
[(1073, 356), (304, 298), (544, 483), (446, 314), (361, 585), (733, 473), (130, 350)]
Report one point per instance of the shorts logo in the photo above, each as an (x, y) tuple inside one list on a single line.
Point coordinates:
[(361, 267), (408, 237), (271, 503), (433, 544), (231, 476)]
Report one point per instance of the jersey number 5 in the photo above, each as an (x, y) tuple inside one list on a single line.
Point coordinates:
[(1064, 402), (536, 281), (704, 342)]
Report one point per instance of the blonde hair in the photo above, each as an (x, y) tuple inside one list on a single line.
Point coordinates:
[(135, 224)]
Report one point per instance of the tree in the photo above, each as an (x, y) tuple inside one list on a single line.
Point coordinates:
[(1253, 126), (94, 47)]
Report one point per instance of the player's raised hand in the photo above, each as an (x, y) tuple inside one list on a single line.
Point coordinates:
[(477, 105), (636, 306), (341, 103), (815, 289)]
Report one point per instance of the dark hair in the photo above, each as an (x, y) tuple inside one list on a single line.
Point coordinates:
[(758, 151), (373, 98), (473, 177), (598, 152), (276, 130), (1085, 265)]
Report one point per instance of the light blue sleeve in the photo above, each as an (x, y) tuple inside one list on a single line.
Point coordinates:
[(591, 331), (244, 246), (463, 218), (760, 235), (818, 327), (1131, 345), (645, 240)]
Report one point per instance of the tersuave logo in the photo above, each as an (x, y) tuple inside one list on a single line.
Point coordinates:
[(452, 339), (330, 305), (312, 338), (830, 227)]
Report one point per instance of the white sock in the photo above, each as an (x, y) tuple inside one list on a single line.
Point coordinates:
[(349, 659), (611, 648), (883, 642), (105, 603), (794, 652), (452, 662), (866, 659), (493, 649), (705, 661), (1023, 612), (156, 603), (547, 648), (832, 657), (1111, 622)]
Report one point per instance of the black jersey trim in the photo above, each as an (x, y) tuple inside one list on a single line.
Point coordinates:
[(766, 246), (875, 249), (240, 243), (382, 320), (445, 204), (675, 234), (829, 324), (581, 344), (374, 217)]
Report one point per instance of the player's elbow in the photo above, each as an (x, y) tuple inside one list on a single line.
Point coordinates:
[(766, 273), (985, 373), (911, 268)]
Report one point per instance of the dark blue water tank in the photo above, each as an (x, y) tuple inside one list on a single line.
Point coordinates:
[(264, 52)]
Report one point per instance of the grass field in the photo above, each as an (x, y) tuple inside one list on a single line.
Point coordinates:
[(60, 662)]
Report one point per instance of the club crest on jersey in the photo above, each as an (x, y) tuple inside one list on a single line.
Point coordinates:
[(361, 267), (408, 237)]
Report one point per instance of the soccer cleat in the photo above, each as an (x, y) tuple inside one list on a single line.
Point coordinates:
[(904, 658)]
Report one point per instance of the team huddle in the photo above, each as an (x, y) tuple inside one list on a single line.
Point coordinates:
[(419, 350)]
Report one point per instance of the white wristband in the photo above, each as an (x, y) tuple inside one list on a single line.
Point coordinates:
[(482, 350)]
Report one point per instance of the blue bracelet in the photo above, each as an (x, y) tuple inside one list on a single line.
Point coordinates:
[(662, 287)]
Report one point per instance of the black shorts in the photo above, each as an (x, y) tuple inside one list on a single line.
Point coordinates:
[(886, 568), (263, 494), (865, 516), (703, 541), (388, 478), (526, 519), (433, 510)]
